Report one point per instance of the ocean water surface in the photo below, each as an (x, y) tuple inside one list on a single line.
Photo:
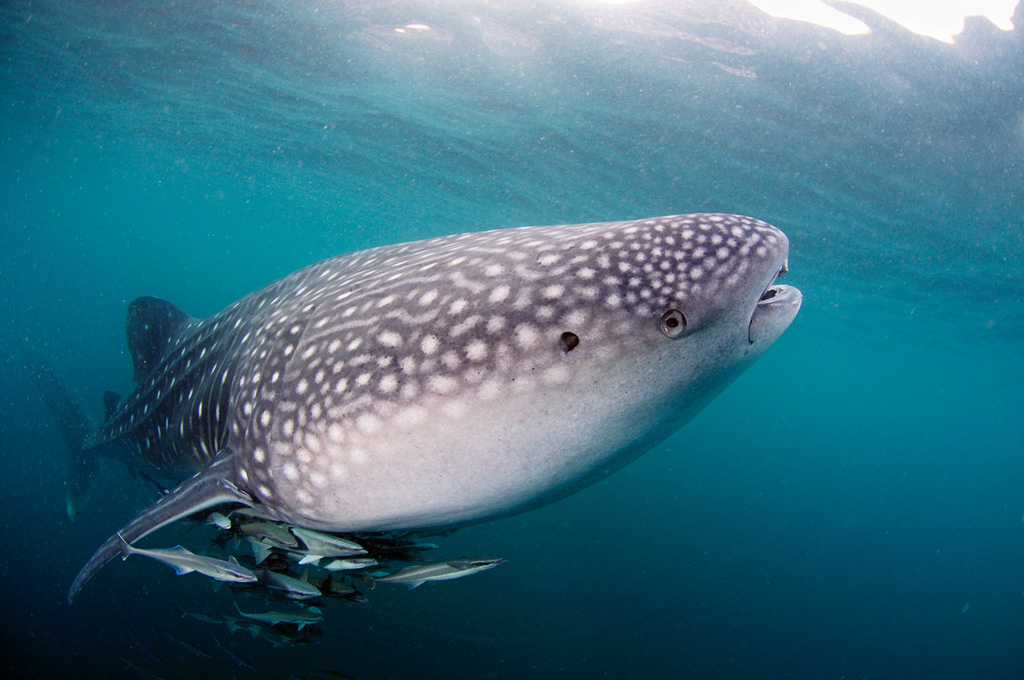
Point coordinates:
[(850, 508)]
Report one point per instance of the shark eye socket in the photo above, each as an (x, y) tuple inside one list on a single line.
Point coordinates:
[(673, 323), (570, 340)]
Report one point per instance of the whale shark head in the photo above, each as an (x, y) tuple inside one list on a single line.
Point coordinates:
[(446, 381)]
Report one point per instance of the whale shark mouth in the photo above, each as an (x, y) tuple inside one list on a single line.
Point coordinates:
[(771, 290), (775, 309)]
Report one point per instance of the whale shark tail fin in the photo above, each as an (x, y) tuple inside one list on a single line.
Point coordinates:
[(74, 426)]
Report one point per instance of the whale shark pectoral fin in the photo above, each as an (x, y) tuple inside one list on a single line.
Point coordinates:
[(209, 487)]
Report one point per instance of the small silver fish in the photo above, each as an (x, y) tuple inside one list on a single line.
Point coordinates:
[(235, 624), (184, 561), (200, 617), (192, 648), (291, 587), (350, 564), (142, 672), (269, 532), (436, 571), (219, 520), (234, 657), (300, 618), (330, 586), (320, 545)]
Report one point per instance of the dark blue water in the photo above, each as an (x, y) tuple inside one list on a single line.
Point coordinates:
[(850, 508)]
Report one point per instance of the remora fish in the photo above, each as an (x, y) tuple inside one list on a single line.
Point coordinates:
[(184, 561), (220, 521), (349, 564), (436, 571), (439, 383), (291, 587), (234, 657), (192, 648), (268, 532), (300, 618), (320, 545)]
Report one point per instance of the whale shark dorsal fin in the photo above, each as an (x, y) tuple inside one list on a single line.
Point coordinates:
[(110, 402), (151, 325), (211, 486)]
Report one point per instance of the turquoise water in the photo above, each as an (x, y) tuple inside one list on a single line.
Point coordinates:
[(850, 508)]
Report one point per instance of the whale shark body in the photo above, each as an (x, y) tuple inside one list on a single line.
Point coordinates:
[(429, 385)]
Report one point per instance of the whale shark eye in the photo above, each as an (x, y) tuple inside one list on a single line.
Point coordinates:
[(673, 323), (570, 340)]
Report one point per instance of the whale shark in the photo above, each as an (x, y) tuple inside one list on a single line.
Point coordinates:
[(430, 385)]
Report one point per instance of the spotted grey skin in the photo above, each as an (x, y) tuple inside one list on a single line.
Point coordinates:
[(442, 382)]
